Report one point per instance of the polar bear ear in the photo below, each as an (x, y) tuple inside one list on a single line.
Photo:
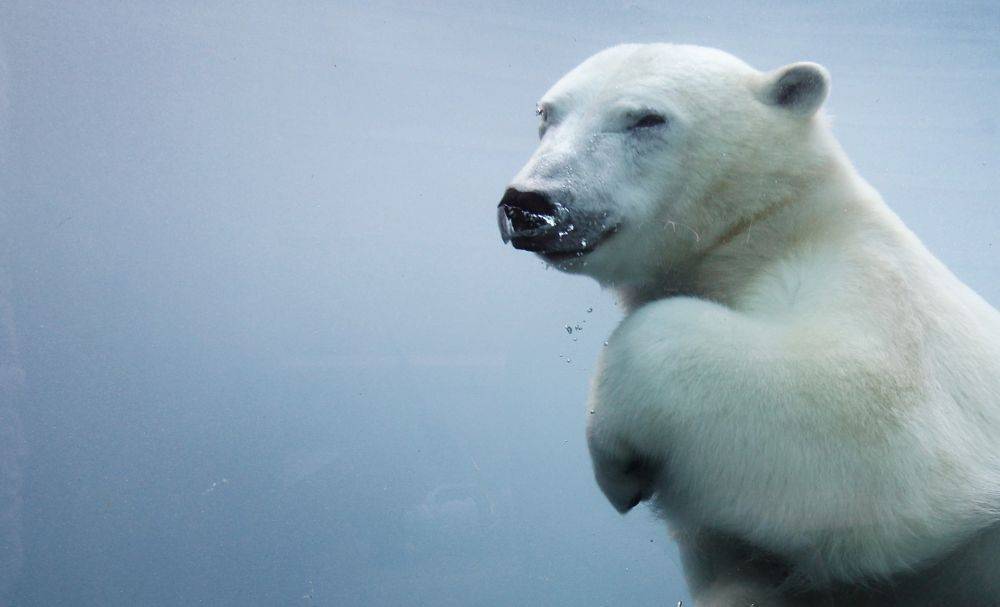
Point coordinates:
[(799, 88)]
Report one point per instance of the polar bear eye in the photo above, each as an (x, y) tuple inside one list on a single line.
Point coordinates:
[(648, 121), (542, 111)]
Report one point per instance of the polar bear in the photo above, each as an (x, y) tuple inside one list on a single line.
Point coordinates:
[(806, 394)]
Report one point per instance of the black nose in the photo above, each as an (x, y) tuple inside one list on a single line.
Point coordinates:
[(526, 205), (527, 218)]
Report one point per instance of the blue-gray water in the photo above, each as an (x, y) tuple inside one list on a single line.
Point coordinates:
[(259, 341)]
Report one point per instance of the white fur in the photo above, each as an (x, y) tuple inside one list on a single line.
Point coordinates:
[(795, 370)]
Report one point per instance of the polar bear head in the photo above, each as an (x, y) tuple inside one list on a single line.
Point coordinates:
[(649, 154)]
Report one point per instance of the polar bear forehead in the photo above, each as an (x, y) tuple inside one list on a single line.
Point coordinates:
[(646, 72)]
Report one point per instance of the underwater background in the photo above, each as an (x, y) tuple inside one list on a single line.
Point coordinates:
[(260, 343)]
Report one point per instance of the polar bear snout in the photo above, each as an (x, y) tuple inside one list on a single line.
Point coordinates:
[(533, 221), (526, 218)]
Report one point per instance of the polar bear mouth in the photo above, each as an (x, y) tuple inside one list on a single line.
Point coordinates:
[(556, 241), (534, 222), (585, 248)]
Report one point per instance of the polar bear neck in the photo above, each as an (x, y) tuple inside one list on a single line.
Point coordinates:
[(828, 205)]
